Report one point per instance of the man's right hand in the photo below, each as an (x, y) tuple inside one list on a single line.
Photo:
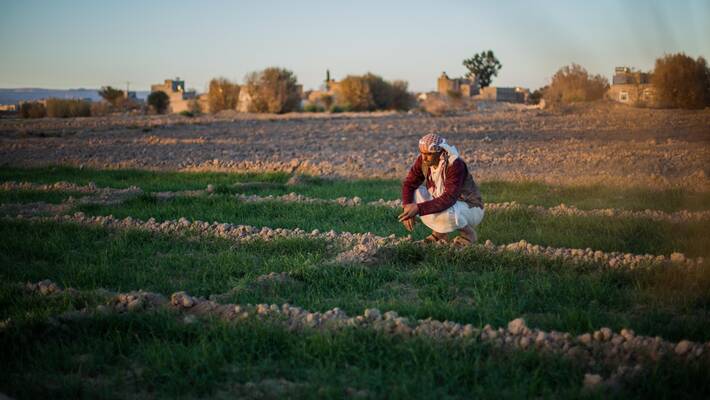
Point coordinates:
[(409, 224)]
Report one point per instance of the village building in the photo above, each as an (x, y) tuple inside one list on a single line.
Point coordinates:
[(457, 86), (180, 100), (471, 88), (631, 87), (508, 94)]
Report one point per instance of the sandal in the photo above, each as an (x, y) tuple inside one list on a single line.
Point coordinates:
[(462, 241), (431, 239)]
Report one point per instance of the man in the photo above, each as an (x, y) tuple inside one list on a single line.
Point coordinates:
[(442, 192)]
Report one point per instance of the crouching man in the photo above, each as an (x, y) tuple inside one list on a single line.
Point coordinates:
[(442, 192)]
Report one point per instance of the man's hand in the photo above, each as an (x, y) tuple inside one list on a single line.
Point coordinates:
[(409, 211), (409, 224)]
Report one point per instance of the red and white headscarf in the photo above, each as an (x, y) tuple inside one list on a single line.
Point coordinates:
[(430, 143)]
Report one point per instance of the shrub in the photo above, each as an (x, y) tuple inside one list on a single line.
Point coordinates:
[(370, 92), (66, 108), (222, 95), (33, 109), (159, 101), (454, 94), (335, 109), (313, 107), (327, 100), (110, 94), (681, 82), (354, 93), (273, 90), (573, 83), (100, 108)]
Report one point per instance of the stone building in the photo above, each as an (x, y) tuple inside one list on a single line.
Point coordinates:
[(508, 94), (462, 86), (631, 87), (180, 100)]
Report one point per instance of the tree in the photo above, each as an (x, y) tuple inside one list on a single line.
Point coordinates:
[(111, 94), (273, 90), (484, 65), (682, 82), (222, 95), (370, 92), (572, 83), (159, 101)]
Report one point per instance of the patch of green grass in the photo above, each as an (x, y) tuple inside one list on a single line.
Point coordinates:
[(635, 235), (31, 196), (146, 180), (87, 258), (584, 197), (469, 287)]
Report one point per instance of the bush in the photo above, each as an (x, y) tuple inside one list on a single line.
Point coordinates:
[(222, 95), (33, 110), (574, 84), (355, 94), (313, 107), (370, 92), (681, 82), (327, 100), (110, 94), (68, 108), (335, 109), (100, 108), (273, 90), (159, 101)]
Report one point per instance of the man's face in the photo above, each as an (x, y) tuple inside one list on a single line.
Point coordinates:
[(431, 159)]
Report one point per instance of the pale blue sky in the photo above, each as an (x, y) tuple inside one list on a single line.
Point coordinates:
[(71, 44)]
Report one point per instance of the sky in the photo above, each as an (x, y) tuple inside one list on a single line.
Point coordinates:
[(61, 44)]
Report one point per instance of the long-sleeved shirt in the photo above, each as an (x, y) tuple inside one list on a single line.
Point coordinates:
[(459, 185)]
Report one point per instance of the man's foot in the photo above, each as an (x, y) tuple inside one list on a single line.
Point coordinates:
[(469, 234), (436, 237)]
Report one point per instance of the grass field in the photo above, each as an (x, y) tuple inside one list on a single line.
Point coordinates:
[(159, 355)]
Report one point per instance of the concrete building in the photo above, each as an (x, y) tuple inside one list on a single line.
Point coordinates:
[(461, 86), (508, 94), (180, 100), (631, 87), (471, 88)]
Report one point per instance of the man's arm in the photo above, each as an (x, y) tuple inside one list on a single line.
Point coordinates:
[(455, 175), (411, 183)]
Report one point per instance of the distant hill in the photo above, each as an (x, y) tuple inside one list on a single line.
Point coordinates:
[(12, 96)]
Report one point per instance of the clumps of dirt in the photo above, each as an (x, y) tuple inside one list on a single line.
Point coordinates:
[(611, 259), (624, 351), (565, 210), (364, 247), (45, 287), (25, 210)]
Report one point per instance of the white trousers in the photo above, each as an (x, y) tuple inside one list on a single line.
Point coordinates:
[(454, 218)]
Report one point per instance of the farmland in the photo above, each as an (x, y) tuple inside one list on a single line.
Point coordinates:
[(262, 258)]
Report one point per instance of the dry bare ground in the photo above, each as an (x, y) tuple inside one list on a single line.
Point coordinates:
[(599, 143)]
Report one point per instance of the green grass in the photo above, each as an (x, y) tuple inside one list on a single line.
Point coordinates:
[(584, 197), (146, 180), (469, 287), (157, 356), (635, 235)]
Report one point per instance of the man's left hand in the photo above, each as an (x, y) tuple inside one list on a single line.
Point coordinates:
[(409, 211)]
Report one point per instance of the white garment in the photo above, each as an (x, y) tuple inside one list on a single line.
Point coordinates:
[(454, 218), (438, 173)]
